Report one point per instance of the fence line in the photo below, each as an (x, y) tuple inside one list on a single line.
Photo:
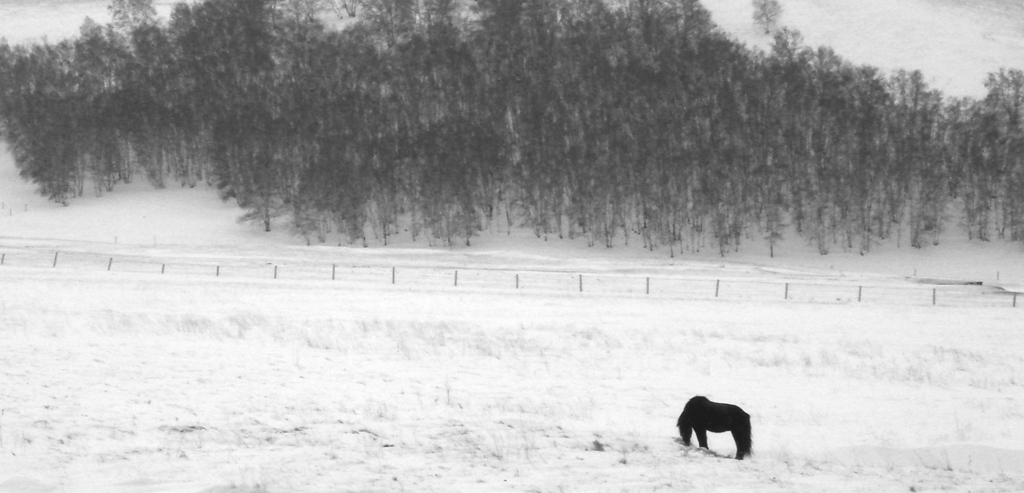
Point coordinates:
[(537, 281)]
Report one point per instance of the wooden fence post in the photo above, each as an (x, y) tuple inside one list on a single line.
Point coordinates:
[(860, 290), (392, 275), (717, 282), (110, 263), (334, 269), (785, 295), (55, 258), (648, 286)]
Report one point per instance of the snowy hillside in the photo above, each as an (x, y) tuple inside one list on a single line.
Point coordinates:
[(151, 343), (955, 43), (215, 376)]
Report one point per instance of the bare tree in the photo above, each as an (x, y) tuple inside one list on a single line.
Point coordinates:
[(767, 14), (301, 10), (343, 7), (130, 14), (394, 20)]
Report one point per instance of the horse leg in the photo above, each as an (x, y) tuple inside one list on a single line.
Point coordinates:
[(686, 431), (702, 437)]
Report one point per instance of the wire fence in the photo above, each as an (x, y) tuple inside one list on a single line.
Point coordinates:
[(940, 293)]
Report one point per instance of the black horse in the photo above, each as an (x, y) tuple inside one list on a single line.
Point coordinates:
[(701, 416)]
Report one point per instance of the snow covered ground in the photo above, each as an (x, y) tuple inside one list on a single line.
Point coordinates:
[(33, 20), (955, 43), (130, 380), (142, 382)]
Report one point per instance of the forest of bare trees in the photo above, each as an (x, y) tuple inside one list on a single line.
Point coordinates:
[(639, 123)]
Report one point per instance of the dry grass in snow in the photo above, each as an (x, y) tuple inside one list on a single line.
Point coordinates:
[(132, 382)]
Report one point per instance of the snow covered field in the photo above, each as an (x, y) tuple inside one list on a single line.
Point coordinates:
[(129, 380), (142, 382), (136, 381)]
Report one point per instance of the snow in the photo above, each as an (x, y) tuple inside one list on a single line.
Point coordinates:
[(132, 380), (129, 380), (54, 20), (955, 44), (142, 382)]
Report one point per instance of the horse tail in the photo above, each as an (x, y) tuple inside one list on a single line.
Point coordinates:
[(742, 435)]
